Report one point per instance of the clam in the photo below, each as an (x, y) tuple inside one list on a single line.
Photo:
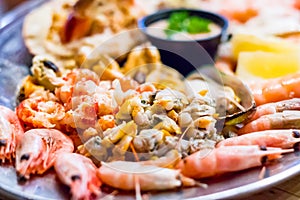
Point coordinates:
[(234, 100), (247, 100)]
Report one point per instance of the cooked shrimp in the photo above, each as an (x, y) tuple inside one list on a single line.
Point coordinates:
[(284, 120), (240, 15), (235, 11), (10, 130), (77, 75), (207, 163), (277, 89), (39, 113), (37, 150), (79, 173), (297, 4), (124, 175), (65, 92), (284, 139), (87, 111), (280, 106)]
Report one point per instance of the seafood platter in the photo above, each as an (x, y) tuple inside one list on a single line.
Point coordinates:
[(91, 109)]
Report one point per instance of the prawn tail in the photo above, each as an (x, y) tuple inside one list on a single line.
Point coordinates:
[(138, 194)]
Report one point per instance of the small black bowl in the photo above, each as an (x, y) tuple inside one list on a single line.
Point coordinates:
[(185, 55)]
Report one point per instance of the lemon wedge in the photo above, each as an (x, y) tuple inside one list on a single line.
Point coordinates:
[(264, 65), (247, 43)]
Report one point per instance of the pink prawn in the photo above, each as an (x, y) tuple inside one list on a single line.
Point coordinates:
[(130, 175), (207, 163), (37, 150), (79, 173), (10, 130), (283, 120), (270, 138), (280, 106)]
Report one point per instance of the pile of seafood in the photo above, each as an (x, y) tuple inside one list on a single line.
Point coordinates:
[(136, 132), (132, 123)]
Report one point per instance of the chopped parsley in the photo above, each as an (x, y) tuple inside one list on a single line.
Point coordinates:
[(183, 22)]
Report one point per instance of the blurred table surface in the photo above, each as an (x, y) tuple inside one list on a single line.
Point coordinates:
[(288, 190)]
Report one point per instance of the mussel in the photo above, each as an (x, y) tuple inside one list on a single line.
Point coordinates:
[(46, 73)]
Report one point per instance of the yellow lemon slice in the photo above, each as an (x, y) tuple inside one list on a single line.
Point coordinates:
[(246, 43), (264, 65)]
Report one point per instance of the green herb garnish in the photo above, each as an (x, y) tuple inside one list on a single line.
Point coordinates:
[(183, 22)]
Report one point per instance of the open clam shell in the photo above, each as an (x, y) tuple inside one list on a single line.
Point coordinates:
[(218, 82), (221, 87), (247, 99)]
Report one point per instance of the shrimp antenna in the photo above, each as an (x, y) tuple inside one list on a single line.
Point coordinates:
[(265, 172), (199, 184), (296, 148), (110, 196), (237, 104), (136, 157), (138, 195), (184, 132)]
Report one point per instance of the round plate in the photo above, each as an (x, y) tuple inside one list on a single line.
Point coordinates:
[(14, 62)]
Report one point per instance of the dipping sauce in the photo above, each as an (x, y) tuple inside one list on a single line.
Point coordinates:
[(181, 26)]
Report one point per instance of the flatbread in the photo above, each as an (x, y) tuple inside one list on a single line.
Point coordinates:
[(43, 26)]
